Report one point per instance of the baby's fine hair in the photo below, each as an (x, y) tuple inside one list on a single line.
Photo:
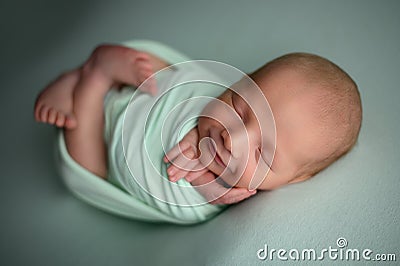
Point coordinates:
[(339, 102)]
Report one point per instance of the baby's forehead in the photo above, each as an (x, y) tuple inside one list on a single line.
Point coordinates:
[(275, 94), (286, 107)]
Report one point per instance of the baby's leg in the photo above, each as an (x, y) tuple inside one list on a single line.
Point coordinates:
[(79, 96), (85, 143)]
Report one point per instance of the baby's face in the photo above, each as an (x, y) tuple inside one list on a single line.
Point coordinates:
[(245, 152)]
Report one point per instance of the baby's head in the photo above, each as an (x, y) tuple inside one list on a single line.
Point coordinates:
[(317, 111)]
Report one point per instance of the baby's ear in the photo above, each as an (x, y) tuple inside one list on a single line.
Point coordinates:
[(300, 178)]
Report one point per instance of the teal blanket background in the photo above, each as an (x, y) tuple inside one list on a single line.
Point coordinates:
[(358, 198)]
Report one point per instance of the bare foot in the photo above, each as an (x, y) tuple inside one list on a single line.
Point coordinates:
[(124, 66), (54, 105)]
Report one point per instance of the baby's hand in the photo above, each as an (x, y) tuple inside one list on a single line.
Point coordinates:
[(215, 193), (185, 163), (184, 159)]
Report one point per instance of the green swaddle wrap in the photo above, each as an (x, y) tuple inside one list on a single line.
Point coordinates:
[(139, 129)]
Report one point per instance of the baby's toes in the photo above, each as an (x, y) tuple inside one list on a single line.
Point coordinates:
[(142, 56), (145, 67), (144, 74), (51, 119), (36, 111), (44, 112), (70, 121), (143, 63), (149, 86), (60, 120)]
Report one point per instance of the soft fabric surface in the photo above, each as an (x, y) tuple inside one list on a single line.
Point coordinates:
[(357, 198)]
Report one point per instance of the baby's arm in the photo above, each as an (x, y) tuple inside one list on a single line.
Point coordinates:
[(184, 159)]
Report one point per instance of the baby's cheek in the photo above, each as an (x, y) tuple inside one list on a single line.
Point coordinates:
[(256, 176), (246, 176), (273, 181)]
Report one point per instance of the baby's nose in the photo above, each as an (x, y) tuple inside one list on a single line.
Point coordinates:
[(227, 140), (236, 141)]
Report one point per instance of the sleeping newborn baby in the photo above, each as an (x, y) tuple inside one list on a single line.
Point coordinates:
[(224, 137)]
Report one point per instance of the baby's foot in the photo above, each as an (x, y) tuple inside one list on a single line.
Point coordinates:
[(124, 66), (54, 105)]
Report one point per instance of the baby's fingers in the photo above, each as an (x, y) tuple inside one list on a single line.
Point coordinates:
[(234, 195), (176, 151), (191, 176), (190, 169), (177, 175)]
